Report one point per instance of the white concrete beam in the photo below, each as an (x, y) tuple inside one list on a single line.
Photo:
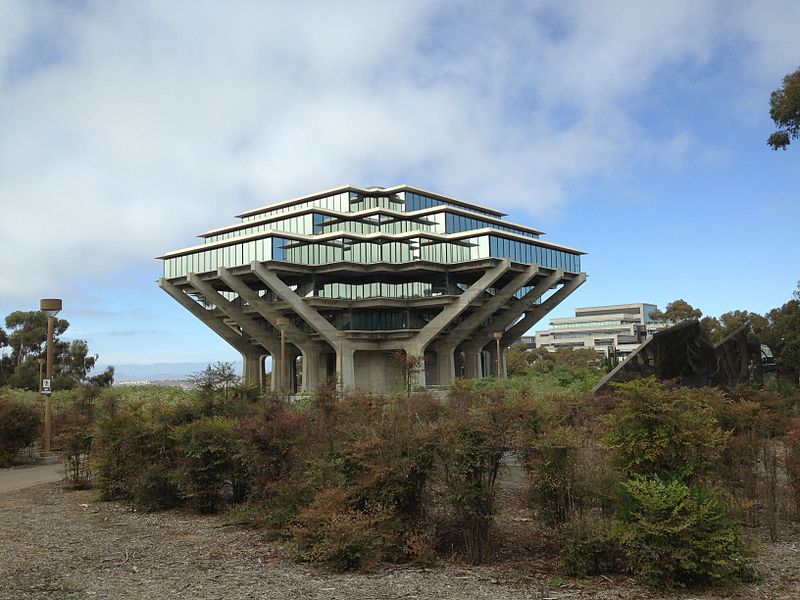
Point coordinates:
[(535, 314), (307, 313)]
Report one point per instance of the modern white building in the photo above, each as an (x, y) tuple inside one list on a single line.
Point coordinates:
[(617, 329)]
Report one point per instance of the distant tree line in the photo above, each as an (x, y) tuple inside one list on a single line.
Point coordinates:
[(779, 328)]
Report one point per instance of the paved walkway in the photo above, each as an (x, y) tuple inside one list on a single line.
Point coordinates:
[(18, 478)]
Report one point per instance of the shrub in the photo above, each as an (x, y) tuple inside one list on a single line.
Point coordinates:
[(76, 437), (473, 435), (274, 442), (660, 429), (76, 445), (155, 488), (386, 450), (20, 425), (673, 534), (135, 456), (553, 480), (331, 532), (752, 463), (793, 462), (590, 547), (117, 452), (206, 458), (376, 452)]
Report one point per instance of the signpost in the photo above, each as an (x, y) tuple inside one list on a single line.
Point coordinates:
[(51, 307)]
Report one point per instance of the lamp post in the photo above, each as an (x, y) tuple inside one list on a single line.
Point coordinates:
[(282, 323), (497, 337), (51, 307)]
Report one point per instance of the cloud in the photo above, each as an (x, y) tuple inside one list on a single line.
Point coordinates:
[(128, 128)]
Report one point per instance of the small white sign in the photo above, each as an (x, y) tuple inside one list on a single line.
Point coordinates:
[(45, 386)]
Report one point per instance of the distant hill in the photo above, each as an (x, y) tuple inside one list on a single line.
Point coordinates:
[(159, 371)]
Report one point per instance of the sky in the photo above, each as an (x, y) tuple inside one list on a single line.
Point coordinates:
[(635, 131)]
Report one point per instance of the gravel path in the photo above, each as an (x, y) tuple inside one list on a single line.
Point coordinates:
[(63, 545), (19, 478)]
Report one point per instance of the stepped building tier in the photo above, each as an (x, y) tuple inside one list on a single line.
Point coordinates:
[(340, 284)]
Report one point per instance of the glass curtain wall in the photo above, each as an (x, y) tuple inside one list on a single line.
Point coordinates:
[(366, 252)]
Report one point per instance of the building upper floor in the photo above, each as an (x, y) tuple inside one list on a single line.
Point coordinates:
[(367, 225)]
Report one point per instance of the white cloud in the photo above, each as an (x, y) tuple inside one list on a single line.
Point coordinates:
[(129, 128)]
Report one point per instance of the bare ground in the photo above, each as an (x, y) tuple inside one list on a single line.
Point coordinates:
[(62, 544)]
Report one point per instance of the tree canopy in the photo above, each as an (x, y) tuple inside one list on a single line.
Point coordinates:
[(676, 312), (784, 108), (783, 336), (220, 375), (521, 360), (719, 328), (779, 328), (26, 335)]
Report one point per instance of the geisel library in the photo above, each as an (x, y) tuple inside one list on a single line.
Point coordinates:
[(351, 275)]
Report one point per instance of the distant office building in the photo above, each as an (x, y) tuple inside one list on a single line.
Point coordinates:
[(343, 278), (616, 329)]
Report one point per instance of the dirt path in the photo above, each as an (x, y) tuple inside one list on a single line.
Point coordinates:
[(61, 545), (19, 478)]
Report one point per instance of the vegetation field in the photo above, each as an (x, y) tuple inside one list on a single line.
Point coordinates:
[(670, 486)]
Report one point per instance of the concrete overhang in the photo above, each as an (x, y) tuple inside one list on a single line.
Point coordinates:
[(367, 214), (369, 192), (358, 273)]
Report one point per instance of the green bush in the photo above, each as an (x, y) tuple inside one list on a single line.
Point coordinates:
[(20, 425), (76, 435), (660, 429), (674, 534), (553, 478), (135, 455), (472, 437), (590, 547), (207, 456), (76, 446), (155, 487)]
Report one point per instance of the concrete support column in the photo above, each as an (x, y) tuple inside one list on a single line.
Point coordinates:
[(446, 364), (312, 372), (472, 361), (253, 369), (491, 364), (414, 349), (345, 364), (277, 370), (293, 383), (492, 367)]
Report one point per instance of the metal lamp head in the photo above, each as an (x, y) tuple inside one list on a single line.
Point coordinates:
[(50, 306)]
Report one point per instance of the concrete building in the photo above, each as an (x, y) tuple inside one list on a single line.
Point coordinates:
[(618, 328), (344, 278)]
